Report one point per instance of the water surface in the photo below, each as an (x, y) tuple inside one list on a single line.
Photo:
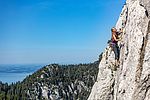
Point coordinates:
[(14, 73)]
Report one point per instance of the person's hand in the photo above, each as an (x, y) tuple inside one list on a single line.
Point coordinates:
[(121, 30), (119, 39)]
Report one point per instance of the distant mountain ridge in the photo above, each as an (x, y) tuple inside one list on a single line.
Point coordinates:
[(54, 82)]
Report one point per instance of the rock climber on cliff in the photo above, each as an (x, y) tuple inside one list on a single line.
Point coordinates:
[(114, 39)]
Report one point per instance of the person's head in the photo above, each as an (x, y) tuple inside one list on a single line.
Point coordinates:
[(113, 30)]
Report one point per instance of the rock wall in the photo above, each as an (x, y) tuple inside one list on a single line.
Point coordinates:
[(131, 81)]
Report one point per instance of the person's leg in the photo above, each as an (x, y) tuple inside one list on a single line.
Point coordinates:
[(115, 49), (118, 55), (118, 51)]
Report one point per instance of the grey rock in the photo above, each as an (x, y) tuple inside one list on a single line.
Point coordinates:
[(146, 4), (131, 81)]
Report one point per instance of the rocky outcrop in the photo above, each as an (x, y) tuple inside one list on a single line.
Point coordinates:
[(131, 81), (62, 82)]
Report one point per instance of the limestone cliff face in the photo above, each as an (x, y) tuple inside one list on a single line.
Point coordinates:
[(131, 81)]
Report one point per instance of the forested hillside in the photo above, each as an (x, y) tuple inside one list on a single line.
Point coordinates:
[(54, 81)]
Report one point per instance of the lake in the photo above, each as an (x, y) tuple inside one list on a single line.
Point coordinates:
[(14, 73)]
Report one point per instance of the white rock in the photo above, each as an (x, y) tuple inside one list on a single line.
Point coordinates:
[(131, 81)]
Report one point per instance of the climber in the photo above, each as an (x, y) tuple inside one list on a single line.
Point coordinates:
[(114, 41)]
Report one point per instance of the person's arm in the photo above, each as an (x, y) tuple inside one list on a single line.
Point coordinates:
[(121, 32), (115, 38)]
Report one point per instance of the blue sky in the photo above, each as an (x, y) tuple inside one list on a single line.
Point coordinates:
[(55, 31)]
